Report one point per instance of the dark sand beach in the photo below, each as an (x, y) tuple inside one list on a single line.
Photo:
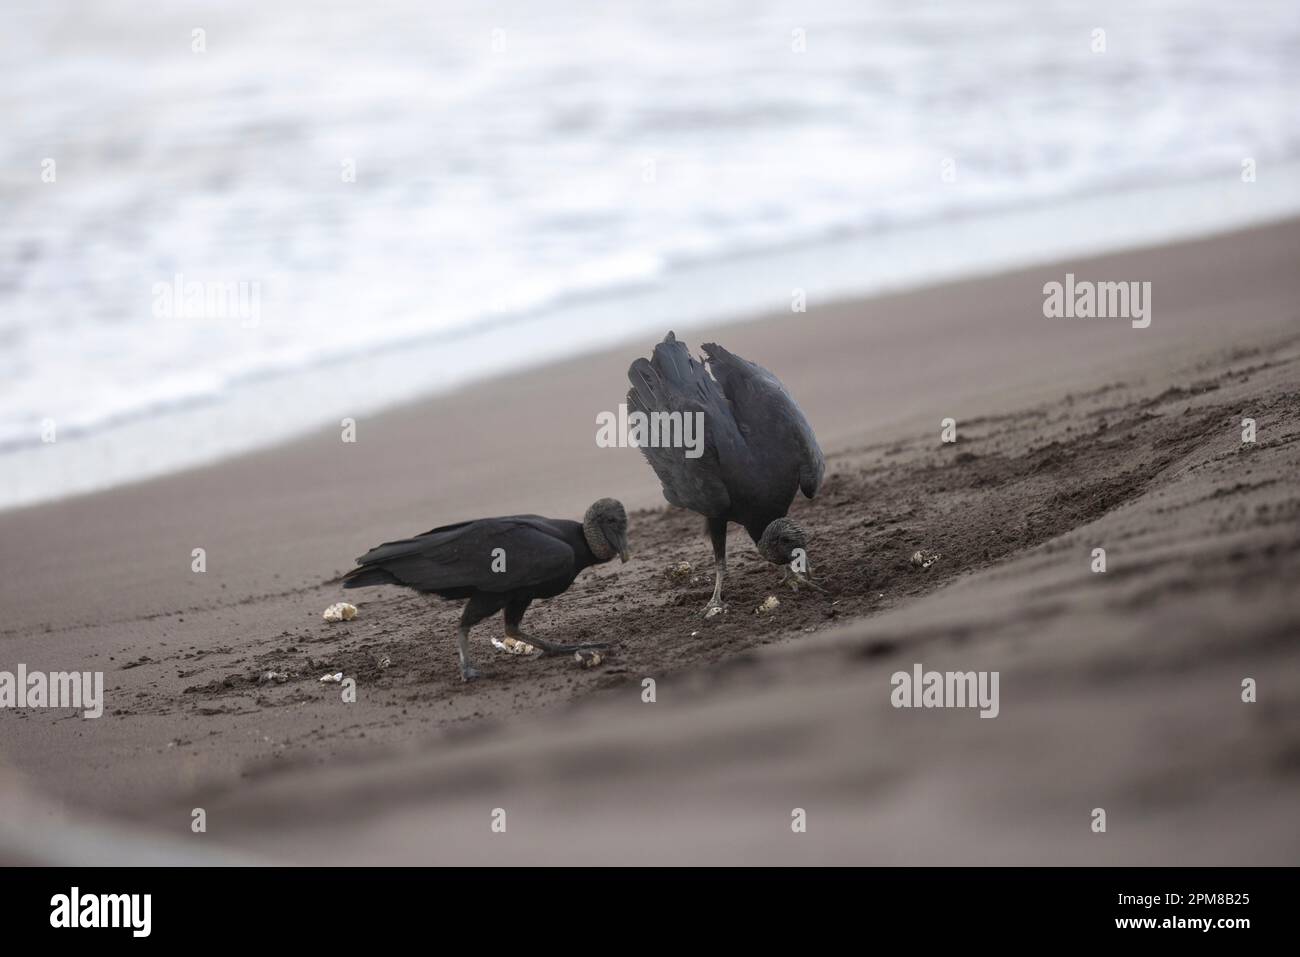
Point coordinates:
[(1119, 690)]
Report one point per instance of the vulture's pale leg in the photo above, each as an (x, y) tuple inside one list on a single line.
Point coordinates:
[(718, 534), (475, 611), (467, 670)]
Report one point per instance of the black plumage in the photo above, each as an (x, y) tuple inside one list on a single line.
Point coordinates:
[(499, 564), (758, 449)]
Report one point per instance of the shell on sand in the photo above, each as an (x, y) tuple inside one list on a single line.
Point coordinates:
[(588, 659), (512, 646), (678, 573), (340, 611)]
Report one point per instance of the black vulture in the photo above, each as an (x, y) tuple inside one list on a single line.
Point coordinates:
[(498, 563), (758, 450)]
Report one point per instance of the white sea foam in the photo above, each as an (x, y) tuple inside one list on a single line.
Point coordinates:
[(554, 188)]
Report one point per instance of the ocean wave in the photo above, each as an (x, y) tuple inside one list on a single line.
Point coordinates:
[(371, 186)]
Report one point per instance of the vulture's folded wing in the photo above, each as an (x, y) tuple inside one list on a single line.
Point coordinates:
[(769, 418), (494, 555), (673, 383)]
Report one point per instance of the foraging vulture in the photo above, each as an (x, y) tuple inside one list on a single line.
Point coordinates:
[(498, 563), (758, 450)]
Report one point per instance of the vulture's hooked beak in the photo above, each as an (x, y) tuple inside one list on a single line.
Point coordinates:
[(624, 553)]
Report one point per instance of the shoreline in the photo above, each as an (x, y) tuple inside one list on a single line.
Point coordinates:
[(727, 291), (1069, 433)]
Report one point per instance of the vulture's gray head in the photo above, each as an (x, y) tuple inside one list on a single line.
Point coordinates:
[(605, 528), (780, 541), (784, 543)]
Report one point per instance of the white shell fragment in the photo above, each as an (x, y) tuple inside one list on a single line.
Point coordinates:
[(588, 659), (335, 678), (924, 559), (340, 611), (770, 604), (513, 646)]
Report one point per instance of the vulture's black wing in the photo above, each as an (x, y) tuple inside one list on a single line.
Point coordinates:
[(463, 556), (671, 381), (769, 418)]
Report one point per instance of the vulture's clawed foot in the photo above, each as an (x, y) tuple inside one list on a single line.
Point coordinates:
[(470, 673), (547, 649), (713, 609)]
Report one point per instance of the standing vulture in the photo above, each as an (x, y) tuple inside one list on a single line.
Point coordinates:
[(758, 451), (498, 563)]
